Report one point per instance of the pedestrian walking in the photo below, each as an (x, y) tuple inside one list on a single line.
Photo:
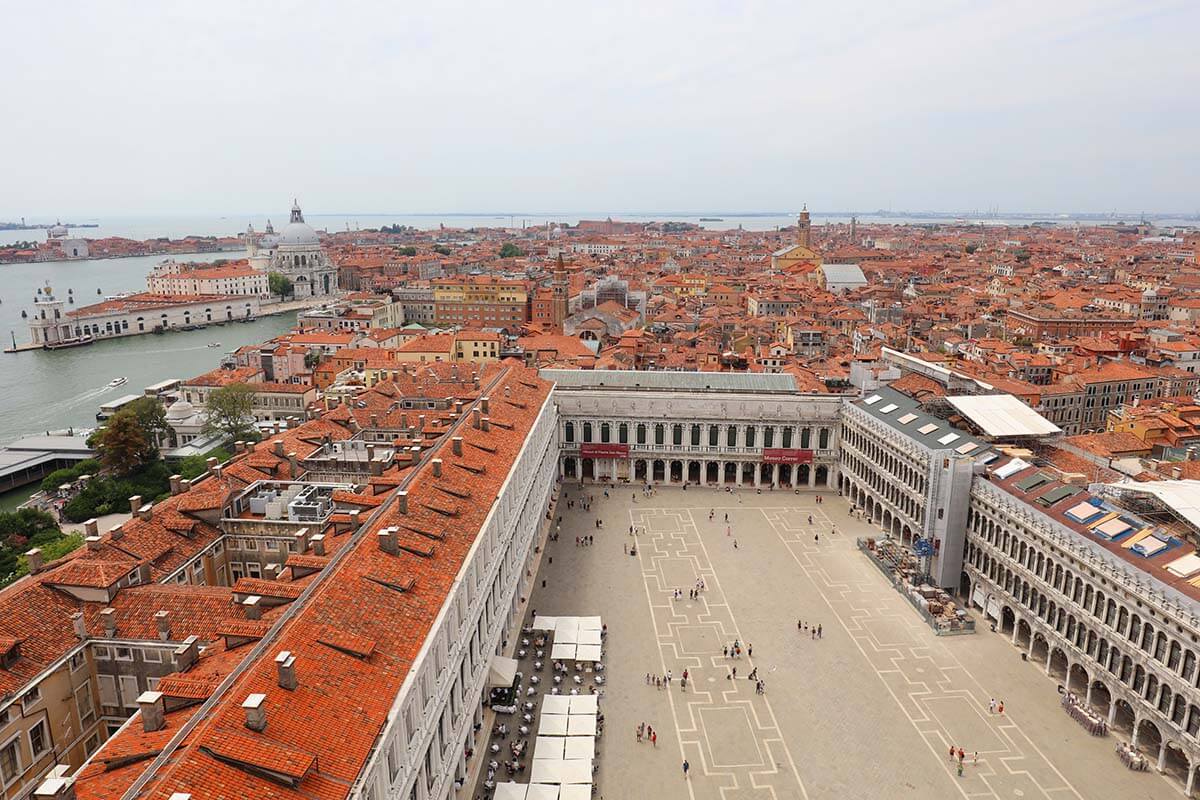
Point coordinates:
[(951, 752), (819, 633), (735, 547), (992, 706), (725, 651), (686, 766), (1000, 708), (654, 739), (960, 769), (639, 733), (749, 651)]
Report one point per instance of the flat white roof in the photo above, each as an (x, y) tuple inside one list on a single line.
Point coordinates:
[(1002, 415)]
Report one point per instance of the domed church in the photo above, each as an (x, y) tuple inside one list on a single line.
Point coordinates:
[(296, 253)]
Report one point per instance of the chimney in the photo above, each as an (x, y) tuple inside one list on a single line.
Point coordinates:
[(218, 470), (91, 527), (116, 533), (421, 422), (144, 572), (146, 510), (59, 788), (94, 542), (293, 465), (174, 480), (354, 519), (33, 558), (388, 540), (253, 607), (483, 403), (485, 424), (210, 464), (271, 572), (437, 467), (285, 663), (458, 407), (401, 501), (186, 654), (109, 617), (277, 447), (370, 452), (475, 415), (185, 486), (79, 625), (256, 712), (275, 426), (456, 445), (162, 621), (300, 541), (239, 446), (135, 503), (153, 711), (374, 420), (318, 544)]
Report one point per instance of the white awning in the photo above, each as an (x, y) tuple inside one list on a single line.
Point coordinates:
[(577, 770), (578, 746), (556, 704), (552, 725), (511, 791), (542, 623), (587, 652), (589, 623), (575, 791), (547, 770), (551, 747), (581, 725), (502, 672), (562, 651), (589, 637), (542, 791), (583, 704)]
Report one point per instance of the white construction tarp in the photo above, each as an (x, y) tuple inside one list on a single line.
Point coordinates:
[(1182, 497), (583, 704), (1183, 567), (1002, 415), (556, 704), (502, 672), (562, 651), (510, 791), (552, 725), (549, 746), (542, 791), (575, 791), (577, 746), (587, 652), (581, 725)]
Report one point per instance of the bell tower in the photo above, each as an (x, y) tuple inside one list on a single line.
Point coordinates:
[(804, 228), (560, 289)]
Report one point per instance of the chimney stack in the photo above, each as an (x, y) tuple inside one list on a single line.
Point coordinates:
[(300, 541), (374, 420), (483, 403), (135, 503), (318, 544), (253, 607), (94, 542), (144, 572), (239, 446), (388, 540), (56, 788), (354, 519), (79, 625), (256, 712), (485, 424), (285, 662), (174, 481), (185, 486), (458, 407), (402, 501), (116, 532), (437, 467), (33, 558), (153, 711), (91, 527), (456, 445), (210, 464), (109, 617), (277, 447), (162, 621), (475, 415), (186, 654), (146, 510), (294, 465)]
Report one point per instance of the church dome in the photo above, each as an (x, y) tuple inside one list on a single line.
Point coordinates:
[(57, 231), (180, 409), (298, 233)]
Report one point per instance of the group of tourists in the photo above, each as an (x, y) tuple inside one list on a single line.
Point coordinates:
[(815, 632)]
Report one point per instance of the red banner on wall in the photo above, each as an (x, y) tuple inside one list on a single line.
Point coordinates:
[(779, 455), (594, 450)]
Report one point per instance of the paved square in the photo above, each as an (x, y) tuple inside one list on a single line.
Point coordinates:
[(868, 711)]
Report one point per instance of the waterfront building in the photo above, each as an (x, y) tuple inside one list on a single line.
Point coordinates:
[(133, 314), (296, 253), (230, 278)]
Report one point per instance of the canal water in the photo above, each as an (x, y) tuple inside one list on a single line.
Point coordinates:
[(45, 390)]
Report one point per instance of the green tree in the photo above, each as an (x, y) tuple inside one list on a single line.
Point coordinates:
[(408, 251), (510, 250), (151, 417), (123, 446), (280, 284), (441, 250), (229, 410)]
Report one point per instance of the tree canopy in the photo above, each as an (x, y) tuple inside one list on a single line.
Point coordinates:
[(229, 410), (510, 250), (123, 445), (280, 284)]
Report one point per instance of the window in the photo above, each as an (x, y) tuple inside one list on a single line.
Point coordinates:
[(77, 661), (152, 655), (623, 433), (108, 691), (123, 654), (659, 433), (39, 740), (235, 569), (10, 760), (249, 544), (31, 697), (751, 435), (83, 703), (129, 691), (676, 434), (569, 432), (769, 437), (92, 743), (253, 569)]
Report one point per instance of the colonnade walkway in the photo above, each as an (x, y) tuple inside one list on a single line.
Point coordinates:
[(870, 710)]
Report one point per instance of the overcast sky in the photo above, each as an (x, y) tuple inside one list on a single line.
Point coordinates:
[(214, 107)]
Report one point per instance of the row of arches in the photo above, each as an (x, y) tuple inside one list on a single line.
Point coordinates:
[(697, 434), (701, 473)]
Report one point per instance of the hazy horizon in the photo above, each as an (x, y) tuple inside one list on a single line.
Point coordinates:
[(122, 109)]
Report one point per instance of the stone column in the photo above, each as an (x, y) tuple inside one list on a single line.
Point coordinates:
[(738, 479), (1136, 726), (1112, 711), (774, 474), (812, 475), (1162, 756), (757, 474), (1088, 700), (1187, 792), (1049, 658), (1016, 627), (703, 473)]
